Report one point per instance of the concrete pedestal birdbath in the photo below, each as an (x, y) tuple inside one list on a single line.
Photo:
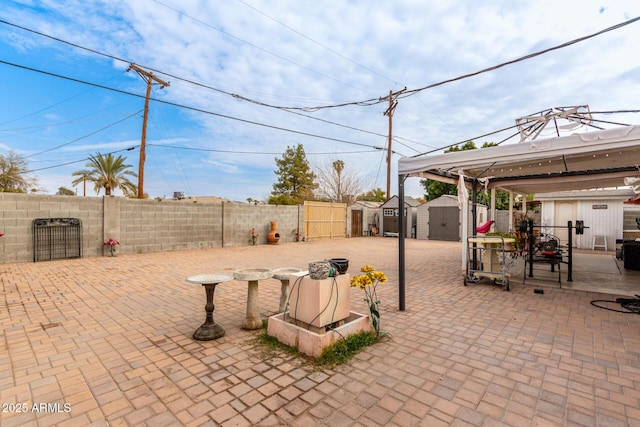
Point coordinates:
[(283, 274), (252, 275)]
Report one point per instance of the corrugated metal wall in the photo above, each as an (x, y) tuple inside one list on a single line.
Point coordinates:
[(601, 221), (604, 217)]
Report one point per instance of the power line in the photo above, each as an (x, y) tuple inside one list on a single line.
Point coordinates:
[(200, 110), (77, 161), (50, 125), (466, 140), (523, 58), (367, 102), (318, 43), (87, 135), (256, 152), (236, 96), (256, 46)]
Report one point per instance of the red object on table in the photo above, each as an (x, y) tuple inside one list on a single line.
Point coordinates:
[(484, 228)]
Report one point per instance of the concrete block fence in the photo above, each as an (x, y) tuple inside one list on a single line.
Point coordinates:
[(142, 225)]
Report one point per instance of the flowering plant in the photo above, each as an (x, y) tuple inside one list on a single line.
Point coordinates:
[(111, 243), (369, 282), (254, 236)]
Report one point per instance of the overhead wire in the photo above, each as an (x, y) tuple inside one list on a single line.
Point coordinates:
[(466, 140), (176, 160), (317, 43), (48, 107), (86, 135), (256, 46), (50, 125), (236, 96), (214, 150), (371, 101), (175, 104), (521, 58), (367, 102), (77, 161)]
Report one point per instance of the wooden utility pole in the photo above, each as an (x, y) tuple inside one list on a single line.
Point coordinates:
[(148, 77), (393, 103)]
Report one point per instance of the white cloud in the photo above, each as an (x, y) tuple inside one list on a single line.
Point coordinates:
[(387, 45)]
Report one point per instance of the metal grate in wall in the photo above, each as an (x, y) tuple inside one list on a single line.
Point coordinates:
[(57, 238)]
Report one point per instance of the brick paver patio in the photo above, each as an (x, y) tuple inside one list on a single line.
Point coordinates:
[(107, 341)]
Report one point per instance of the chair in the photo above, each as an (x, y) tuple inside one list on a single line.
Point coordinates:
[(599, 241)]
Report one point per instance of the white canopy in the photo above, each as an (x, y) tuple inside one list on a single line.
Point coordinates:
[(588, 160)]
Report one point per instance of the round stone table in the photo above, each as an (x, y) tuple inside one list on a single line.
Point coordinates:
[(209, 330), (283, 274), (252, 275)]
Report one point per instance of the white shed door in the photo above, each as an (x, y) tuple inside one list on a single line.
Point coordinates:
[(565, 212)]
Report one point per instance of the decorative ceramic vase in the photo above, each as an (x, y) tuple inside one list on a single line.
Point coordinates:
[(341, 265), (273, 235)]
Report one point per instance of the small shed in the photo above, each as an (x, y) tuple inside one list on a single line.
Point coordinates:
[(365, 216), (389, 213), (441, 219), (601, 210)]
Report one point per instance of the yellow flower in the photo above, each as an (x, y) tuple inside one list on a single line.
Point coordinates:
[(367, 269), (379, 276)]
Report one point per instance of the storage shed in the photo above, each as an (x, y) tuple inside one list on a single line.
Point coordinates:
[(441, 219), (389, 213), (601, 211)]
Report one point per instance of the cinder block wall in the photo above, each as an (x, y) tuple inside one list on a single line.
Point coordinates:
[(19, 211), (142, 225)]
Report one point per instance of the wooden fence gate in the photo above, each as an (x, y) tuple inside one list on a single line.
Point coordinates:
[(325, 220)]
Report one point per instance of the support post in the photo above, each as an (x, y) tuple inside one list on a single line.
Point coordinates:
[(570, 251), (393, 103), (401, 248), (530, 239), (493, 204), (474, 219), (150, 79)]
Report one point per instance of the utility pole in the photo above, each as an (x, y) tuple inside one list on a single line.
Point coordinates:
[(148, 77), (393, 103)]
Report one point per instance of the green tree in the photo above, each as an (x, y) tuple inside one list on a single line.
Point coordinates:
[(14, 177), (108, 172), (375, 195), (296, 181), (64, 191)]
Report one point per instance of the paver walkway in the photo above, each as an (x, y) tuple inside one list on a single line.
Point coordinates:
[(107, 341)]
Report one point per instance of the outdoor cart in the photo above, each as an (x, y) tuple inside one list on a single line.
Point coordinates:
[(489, 257)]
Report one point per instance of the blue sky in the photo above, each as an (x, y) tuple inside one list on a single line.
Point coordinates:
[(292, 54)]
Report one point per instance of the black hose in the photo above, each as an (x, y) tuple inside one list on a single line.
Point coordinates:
[(630, 305)]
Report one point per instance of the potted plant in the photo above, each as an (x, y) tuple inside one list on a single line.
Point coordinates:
[(254, 237), (111, 245), (508, 246)]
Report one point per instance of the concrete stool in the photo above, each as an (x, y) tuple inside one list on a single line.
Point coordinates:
[(252, 275), (599, 241), (283, 274)]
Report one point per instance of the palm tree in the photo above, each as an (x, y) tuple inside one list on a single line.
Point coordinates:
[(83, 176), (108, 172)]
